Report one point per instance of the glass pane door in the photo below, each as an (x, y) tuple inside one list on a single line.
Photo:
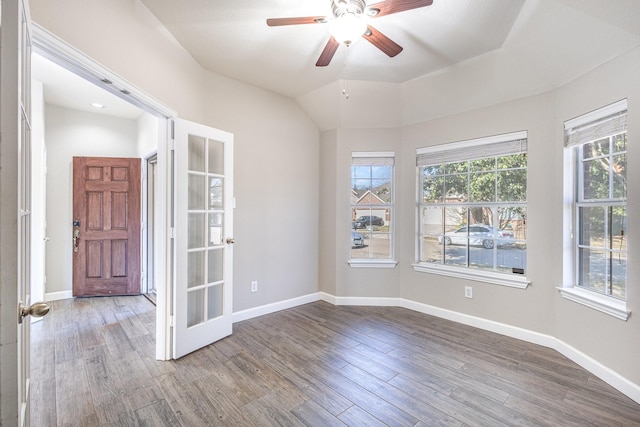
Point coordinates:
[(203, 236)]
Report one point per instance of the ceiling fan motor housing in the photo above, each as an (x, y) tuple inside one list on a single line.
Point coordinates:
[(342, 7)]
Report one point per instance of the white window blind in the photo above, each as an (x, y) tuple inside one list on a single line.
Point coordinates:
[(602, 123), (373, 159), (500, 145)]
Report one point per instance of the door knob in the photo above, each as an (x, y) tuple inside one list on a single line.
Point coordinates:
[(230, 240), (37, 309)]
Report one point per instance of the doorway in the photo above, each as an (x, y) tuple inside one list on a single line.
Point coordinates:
[(148, 133)]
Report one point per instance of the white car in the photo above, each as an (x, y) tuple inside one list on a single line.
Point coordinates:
[(478, 235), (357, 240)]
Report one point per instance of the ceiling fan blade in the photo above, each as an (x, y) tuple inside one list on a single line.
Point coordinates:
[(382, 42), (388, 7), (327, 53), (276, 22)]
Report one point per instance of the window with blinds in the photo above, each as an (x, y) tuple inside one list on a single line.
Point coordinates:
[(597, 142), (472, 205), (372, 194)]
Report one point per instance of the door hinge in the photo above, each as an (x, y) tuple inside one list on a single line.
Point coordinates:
[(172, 145), (171, 322), (172, 232)]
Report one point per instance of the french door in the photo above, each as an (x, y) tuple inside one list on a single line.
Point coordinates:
[(15, 212), (203, 229)]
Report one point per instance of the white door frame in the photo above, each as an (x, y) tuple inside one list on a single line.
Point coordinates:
[(58, 51), (145, 208)]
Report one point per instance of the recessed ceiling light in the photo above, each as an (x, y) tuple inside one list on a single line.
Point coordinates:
[(97, 105)]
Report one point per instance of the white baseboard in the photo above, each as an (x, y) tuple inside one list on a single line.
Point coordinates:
[(272, 308), (614, 379), (54, 296), (606, 374), (370, 301)]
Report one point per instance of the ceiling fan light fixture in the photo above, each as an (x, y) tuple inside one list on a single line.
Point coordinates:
[(347, 28)]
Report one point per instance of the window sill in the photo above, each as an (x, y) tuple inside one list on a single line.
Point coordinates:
[(503, 279), (372, 263), (602, 303)]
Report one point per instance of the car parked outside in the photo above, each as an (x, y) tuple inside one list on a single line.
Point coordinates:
[(367, 221), (478, 235), (357, 240)]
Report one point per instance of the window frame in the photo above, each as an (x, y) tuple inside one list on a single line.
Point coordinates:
[(447, 154), (375, 262), (573, 190)]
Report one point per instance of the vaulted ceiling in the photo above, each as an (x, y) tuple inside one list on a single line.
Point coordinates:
[(561, 38), (556, 40)]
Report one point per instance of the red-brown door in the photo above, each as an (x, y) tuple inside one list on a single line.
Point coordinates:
[(106, 226)]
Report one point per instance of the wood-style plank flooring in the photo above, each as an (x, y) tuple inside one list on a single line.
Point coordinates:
[(316, 365)]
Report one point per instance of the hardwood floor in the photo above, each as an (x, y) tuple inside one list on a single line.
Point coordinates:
[(317, 365)]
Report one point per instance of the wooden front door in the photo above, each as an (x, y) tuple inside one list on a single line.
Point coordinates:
[(106, 226)]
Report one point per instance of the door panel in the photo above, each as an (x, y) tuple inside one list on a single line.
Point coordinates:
[(106, 215), (15, 210), (204, 230)]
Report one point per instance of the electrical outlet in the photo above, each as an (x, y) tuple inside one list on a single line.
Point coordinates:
[(468, 292), (254, 286)]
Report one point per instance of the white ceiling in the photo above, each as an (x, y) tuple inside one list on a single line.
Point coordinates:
[(231, 38), (63, 88), (558, 40)]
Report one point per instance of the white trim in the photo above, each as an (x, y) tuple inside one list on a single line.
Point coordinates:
[(55, 296), (250, 313), (361, 301), (372, 263), (598, 114), (473, 142), (503, 279), (373, 154), (608, 375), (605, 304), (60, 52)]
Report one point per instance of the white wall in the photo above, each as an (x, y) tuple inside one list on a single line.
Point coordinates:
[(277, 145), (532, 308), (607, 341), (148, 128), (126, 38), (276, 179), (336, 212), (611, 341), (71, 133)]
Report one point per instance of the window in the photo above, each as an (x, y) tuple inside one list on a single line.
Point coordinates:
[(472, 209), (372, 209), (596, 153)]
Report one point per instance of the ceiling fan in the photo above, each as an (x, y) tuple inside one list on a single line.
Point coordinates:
[(349, 21)]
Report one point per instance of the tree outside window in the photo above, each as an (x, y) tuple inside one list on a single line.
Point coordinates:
[(473, 206)]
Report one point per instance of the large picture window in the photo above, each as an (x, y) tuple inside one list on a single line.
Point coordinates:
[(472, 205), (372, 208), (596, 149)]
